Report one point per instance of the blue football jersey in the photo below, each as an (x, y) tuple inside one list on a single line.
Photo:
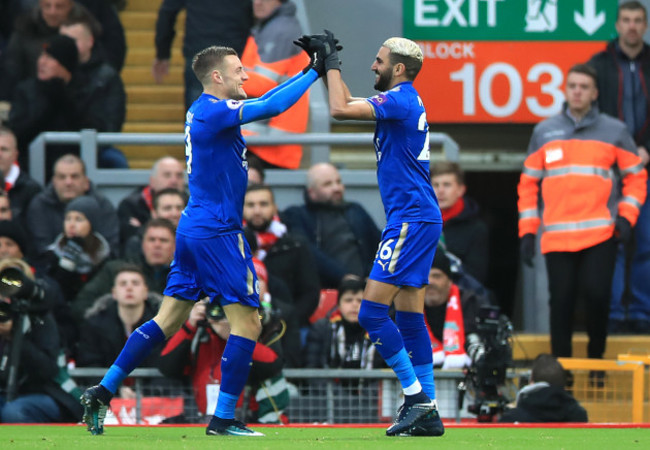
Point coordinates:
[(215, 154), (402, 149)]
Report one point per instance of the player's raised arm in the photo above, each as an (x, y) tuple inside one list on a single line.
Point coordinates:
[(342, 105)]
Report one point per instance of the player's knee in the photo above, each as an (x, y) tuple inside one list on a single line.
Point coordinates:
[(371, 318)]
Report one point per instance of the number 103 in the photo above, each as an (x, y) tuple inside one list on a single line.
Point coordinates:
[(553, 87)]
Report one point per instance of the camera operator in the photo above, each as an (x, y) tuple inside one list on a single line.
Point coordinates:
[(29, 347), (450, 313), (545, 399)]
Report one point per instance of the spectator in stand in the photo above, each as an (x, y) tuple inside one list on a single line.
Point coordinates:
[(34, 27), (545, 399), (450, 313), (195, 351), (269, 59), (154, 259), (47, 101), (79, 251), (45, 212), (338, 341), (168, 204), (465, 234), (342, 235), (623, 70), (207, 22), (39, 398), (580, 158), (256, 173), (5, 207), (287, 257), (18, 185), (101, 94), (113, 317), (135, 209)]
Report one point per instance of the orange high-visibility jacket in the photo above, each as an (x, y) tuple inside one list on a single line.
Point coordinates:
[(269, 68), (579, 167)]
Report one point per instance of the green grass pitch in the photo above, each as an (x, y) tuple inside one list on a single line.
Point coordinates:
[(287, 438)]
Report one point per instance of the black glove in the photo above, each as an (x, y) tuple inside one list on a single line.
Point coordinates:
[(622, 229), (73, 258), (319, 48), (312, 46), (527, 249), (330, 52)]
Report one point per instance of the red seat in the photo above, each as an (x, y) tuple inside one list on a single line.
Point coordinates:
[(327, 302)]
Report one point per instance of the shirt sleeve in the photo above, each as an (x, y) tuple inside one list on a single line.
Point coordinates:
[(387, 106)]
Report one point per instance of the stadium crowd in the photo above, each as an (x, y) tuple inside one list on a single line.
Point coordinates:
[(101, 269)]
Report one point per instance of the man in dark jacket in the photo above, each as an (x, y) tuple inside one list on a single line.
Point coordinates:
[(113, 316), (465, 233), (20, 187), (207, 22), (45, 212), (35, 26), (342, 235), (100, 92), (135, 209), (623, 70), (47, 101), (287, 257), (545, 399)]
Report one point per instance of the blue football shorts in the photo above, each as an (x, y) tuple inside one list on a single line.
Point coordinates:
[(405, 254), (219, 267)]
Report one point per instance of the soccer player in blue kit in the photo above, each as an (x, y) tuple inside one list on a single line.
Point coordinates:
[(413, 226), (212, 257)]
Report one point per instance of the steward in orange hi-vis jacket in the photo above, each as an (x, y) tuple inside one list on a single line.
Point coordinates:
[(269, 59), (572, 175), (579, 167)]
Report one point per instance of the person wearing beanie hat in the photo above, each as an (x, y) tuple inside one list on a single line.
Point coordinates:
[(442, 263), (11, 230), (77, 253), (63, 50), (87, 206), (450, 312)]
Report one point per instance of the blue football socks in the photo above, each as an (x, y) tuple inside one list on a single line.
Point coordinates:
[(418, 345), (235, 366), (137, 348), (385, 336)]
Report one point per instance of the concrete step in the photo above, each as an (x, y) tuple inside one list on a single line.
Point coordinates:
[(141, 75), (142, 56), (145, 38), (154, 94), (143, 5), (155, 113), (146, 20)]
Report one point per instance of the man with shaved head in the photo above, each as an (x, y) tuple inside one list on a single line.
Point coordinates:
[(342, 235), (135, 209)]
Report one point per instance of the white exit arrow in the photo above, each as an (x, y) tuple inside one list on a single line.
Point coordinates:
[(589, 22)]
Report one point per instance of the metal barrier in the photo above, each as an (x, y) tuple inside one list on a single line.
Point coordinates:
[(89, 140), (316, 395)]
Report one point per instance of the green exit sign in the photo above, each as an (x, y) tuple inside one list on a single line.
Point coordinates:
[(510, 20)]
